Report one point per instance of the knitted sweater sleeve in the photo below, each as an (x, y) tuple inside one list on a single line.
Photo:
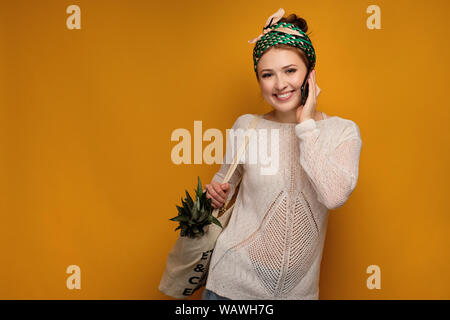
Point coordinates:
[(231, 150), (331, 160)]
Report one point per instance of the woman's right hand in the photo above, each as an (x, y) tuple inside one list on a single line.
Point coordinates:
[(218, 192)]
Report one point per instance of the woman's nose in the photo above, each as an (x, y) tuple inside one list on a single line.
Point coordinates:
[(280, 84)]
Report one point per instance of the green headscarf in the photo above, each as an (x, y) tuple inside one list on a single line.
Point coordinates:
[(275, 32)]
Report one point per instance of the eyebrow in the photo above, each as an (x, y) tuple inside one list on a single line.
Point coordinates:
[(281, 68)]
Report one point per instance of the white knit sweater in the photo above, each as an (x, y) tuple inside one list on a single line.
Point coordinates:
[(272, 246)]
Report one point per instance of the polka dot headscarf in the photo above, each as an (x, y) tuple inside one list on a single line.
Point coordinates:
[(275, 32)]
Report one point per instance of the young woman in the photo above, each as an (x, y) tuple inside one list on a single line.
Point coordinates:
[(272, 246)]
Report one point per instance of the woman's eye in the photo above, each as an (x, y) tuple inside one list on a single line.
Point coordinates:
[(269, 74)]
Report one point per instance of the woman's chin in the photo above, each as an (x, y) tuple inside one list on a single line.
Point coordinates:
[(285, 107)]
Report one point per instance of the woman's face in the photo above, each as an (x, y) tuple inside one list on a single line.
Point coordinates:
[(281, 71)]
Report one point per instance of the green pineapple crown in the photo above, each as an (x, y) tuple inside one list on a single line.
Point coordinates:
[(193, 217)]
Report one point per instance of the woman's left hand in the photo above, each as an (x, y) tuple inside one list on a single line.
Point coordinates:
[(308, 111)]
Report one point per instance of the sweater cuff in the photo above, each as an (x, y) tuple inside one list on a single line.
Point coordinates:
[(305, 127)]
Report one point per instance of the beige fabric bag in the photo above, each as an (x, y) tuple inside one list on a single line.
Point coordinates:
[(188, 261)]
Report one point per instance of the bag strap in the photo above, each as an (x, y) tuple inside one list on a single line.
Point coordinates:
[(236, 158), (241, 149)]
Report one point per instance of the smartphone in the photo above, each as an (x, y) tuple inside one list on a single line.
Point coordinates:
[(305, 88)]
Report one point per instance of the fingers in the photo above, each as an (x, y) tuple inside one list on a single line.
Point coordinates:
[(216, 204), (219, 192), (315, 90), (311, 93), (316, 87), (226, 188), (216, 193)]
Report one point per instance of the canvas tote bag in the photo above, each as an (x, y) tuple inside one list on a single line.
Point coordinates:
[(188, 262)]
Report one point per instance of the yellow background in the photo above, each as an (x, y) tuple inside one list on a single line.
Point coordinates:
[(86, 118)]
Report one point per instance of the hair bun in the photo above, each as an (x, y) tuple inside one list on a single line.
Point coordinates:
[(297, 21)]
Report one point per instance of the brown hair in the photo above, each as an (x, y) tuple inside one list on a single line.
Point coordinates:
[(299, 23)]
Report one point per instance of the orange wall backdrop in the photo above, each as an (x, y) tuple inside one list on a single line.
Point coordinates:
[(86, 117)]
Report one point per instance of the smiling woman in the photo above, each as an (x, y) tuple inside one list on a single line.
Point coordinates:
[(272, 246), (282, 76), (284, 61)]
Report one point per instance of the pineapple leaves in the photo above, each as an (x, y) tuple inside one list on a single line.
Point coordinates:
[(199, 188), (215, 221), (204, 215), (194, 216), (180, 218), (189, 200), (181, 211)]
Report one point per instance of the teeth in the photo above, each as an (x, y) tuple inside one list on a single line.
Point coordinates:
[(284, 95)]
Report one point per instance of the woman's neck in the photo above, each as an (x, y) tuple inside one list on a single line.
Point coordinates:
[(287, 117)]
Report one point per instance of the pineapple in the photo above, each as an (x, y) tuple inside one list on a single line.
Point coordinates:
[(193, 217)]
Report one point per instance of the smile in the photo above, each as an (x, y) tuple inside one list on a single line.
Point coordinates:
[(285, 96)]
